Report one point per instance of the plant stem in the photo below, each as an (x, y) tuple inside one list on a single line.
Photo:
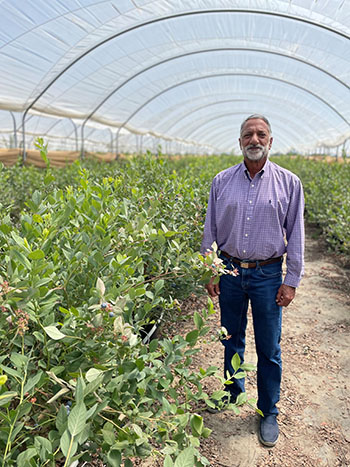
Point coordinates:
[(9, 443), (69, 450)]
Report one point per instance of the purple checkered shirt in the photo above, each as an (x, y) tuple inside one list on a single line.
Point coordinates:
[(257, 219)]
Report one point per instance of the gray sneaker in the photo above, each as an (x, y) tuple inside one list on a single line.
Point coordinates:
[(268, 430)]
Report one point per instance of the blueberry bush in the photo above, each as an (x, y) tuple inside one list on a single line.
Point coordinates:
[(89, 257)]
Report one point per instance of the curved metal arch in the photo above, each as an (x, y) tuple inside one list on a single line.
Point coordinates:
[(166, 18), (290, 122), (230, 114), (196, 52), (283, 130), (286, 136), (215, 75), (187, 114)]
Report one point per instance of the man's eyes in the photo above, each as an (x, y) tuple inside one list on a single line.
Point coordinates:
[(249, 135)]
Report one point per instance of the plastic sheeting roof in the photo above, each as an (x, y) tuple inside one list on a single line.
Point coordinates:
[(182, 71)]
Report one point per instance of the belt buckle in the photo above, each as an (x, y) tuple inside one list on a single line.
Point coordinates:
[(244, 265)]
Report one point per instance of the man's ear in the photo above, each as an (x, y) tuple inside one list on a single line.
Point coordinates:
[(240, 144), (271, 139)]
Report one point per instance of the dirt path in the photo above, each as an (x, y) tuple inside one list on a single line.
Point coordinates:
[(315, 400)]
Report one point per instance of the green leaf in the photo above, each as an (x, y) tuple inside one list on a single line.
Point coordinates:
[(114, 458), (240, 375), (65, 442), (196, 424), (168, 462), (11, 371), (79, 390), (18, 360), (192, 337), (198, 321), (108, 436), (24, 457), (54, 333), (153, 345), (206, 432), (248, 367), (77, 419), (15, 432), (186, 458), (43, 442), (159, 285), (241, 399), (39, 336), (36, 254), (61, 420), (92, 374), (128, 463), (3, 379), (32, 382), (235, 362), (100, 287), (5, 397), (21, 258)]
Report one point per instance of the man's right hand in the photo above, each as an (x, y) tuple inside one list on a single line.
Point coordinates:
[(213, 289)]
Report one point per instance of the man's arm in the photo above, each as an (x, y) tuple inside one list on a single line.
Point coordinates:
[(295, 246), (209, 233)]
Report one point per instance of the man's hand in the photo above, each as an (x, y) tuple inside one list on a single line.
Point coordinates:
[(285, 295), (213, 289)]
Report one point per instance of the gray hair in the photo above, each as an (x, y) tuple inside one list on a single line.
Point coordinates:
[(260, 117)]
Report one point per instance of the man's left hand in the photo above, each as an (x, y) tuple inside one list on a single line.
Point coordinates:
[(285, 295)]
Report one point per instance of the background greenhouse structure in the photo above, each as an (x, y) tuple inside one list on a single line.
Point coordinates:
[(117, 76)]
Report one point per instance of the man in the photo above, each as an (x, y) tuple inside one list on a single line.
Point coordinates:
[(255, 215)]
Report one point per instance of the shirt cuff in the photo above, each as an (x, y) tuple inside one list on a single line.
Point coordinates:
[(291, 280)]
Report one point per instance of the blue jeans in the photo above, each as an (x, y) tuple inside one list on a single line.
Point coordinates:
[(260, 286)]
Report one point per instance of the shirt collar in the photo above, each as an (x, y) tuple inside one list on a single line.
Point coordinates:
[(264, 172)]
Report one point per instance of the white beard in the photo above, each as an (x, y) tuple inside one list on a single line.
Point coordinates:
[(255, 155)]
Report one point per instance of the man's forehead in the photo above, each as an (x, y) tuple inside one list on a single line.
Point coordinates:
[(257, 123)]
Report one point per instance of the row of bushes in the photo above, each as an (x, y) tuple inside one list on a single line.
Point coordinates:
[(89, 257), (327, 198)]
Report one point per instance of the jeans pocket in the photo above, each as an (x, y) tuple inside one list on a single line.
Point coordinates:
[(270, 270)]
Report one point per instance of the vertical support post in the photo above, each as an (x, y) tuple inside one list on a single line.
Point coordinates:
[(82, 151), (14, 129), (24, 155), (76, 135)]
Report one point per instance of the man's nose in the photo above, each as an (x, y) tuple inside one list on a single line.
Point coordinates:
[(254, 139)]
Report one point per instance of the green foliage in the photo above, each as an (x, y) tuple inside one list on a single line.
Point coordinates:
[(89, 256), (327, 197)]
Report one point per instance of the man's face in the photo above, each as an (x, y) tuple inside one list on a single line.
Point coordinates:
[(255, 140)]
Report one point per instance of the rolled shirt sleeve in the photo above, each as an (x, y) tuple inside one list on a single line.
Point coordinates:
[(295, 235)]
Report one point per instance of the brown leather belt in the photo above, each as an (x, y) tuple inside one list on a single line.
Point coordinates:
[(253, 264)]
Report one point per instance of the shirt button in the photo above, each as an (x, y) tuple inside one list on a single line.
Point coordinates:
[(253, 185), (250, 202), (244, 251), (246, 235), (248, 218)]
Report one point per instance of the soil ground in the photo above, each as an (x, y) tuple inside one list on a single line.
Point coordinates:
[(315, 399)]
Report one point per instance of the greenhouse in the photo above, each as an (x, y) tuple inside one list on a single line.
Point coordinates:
[(130, 75)]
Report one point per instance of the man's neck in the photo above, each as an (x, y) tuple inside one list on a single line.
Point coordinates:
[(254, 166)]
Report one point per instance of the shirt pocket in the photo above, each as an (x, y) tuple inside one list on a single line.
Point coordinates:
[(279, 207)]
